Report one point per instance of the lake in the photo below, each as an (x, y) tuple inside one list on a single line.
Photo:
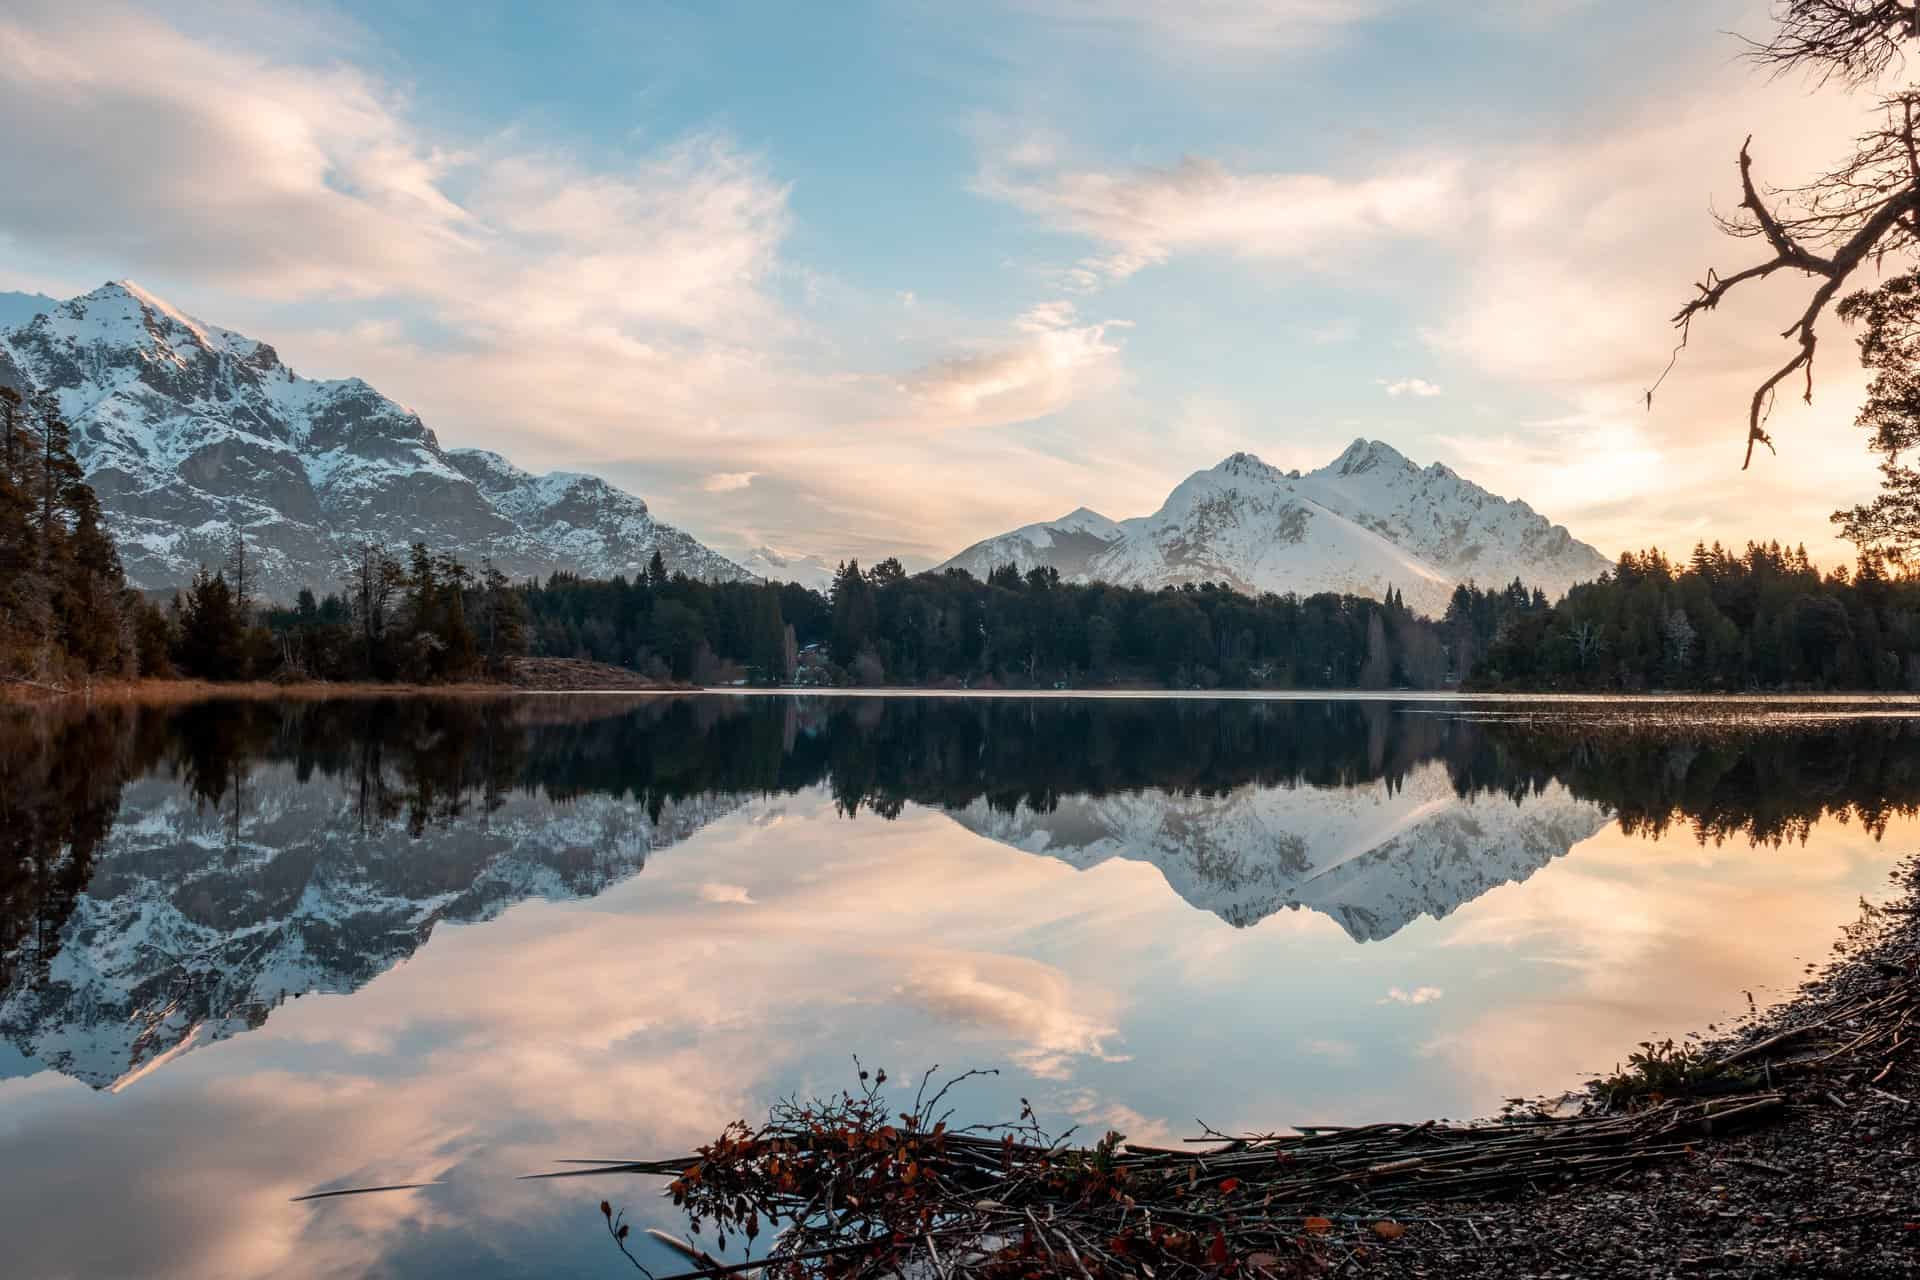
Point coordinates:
[(251, 950)]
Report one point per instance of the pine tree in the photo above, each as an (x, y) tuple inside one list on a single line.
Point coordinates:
[(502, 619), (211, 634), (239, 579)]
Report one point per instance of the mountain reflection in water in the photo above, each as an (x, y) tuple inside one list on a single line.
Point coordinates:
[(172, 875)]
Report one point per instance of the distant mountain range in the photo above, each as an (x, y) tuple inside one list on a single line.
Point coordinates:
[(786, 566), (195, 929), (199, 921), (1373, 857), (1367, 521), (188, 431)]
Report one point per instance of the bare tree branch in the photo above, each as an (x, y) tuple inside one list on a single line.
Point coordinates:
[(1862, 211), (1853, 42)]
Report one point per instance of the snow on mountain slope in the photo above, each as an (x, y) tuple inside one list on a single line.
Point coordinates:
[(187, 431), (18, 308), (786, 566), (1069, 544), (1368, 521), (1373, 858), (191, 930), (1450, 522)]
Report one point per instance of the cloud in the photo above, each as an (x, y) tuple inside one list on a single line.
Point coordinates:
[(1419, 995), (218, 164), (1265, 26), (1419, 387), (1021, 999), (725, 894), (1578, 253), (1145, 216), (633, 315), (1055, 360)]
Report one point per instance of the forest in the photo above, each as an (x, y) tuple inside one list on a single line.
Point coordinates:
[(65, 608), (1765, 618), (1762, 619), (424, 763)]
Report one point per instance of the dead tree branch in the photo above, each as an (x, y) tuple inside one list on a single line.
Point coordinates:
[(1828, 229)]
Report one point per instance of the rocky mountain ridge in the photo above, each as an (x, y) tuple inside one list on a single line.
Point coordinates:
[(189, 432), (1373, 857), (197, 924), (1368, 521)]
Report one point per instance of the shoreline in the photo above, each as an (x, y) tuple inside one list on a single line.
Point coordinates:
[(1788, 1145), (161, 692), (539, 675), (166, 690), (1831, 1187)]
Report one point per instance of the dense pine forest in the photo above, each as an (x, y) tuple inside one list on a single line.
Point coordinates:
[(1762, 619), (65, 608), (1765, 618)]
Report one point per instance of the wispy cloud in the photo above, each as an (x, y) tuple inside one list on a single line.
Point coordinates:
[(1018, 998), (1264, 26), (633, 312), (1418, 995), (1054, 359), (1144, 216), (1417, 387)]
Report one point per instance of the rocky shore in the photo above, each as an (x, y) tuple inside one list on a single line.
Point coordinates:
[(1788, 1146), (1830, 1188)]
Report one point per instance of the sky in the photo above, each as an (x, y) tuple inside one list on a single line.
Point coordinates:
[(887, 278)]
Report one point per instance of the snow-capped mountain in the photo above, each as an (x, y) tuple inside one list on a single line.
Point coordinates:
[(1367, 521), (18, 308), (188, 431), (786, 566), (1373, 857), (193, 928)]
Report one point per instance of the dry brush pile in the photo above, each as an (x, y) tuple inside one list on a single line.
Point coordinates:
[(846, 1187)]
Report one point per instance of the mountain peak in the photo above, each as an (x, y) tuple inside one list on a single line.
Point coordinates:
[(1364, 455), (1242, 463), (1367, 522), (146, 296), (187, 430), (123, 313)]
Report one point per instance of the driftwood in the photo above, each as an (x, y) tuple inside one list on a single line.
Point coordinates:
[(35, 684), (848, 1189)]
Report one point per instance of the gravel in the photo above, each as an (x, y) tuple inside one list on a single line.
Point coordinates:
[(1831, 1189)]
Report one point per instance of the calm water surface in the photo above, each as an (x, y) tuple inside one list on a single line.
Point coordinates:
[(249, 951)]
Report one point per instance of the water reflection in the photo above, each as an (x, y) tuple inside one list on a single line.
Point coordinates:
[(176, 877)]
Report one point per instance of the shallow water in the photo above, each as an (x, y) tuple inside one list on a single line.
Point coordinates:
[(255, 950)]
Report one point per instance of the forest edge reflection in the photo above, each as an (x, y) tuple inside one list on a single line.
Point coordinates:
[(417, 779)]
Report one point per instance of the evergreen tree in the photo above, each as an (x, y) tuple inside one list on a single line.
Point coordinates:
[(211, 634), (503, 619)]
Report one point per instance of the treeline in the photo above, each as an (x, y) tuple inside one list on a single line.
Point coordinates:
[(1763, 619), (429, 620), (883, 626), (65, 609), (670, 626)]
